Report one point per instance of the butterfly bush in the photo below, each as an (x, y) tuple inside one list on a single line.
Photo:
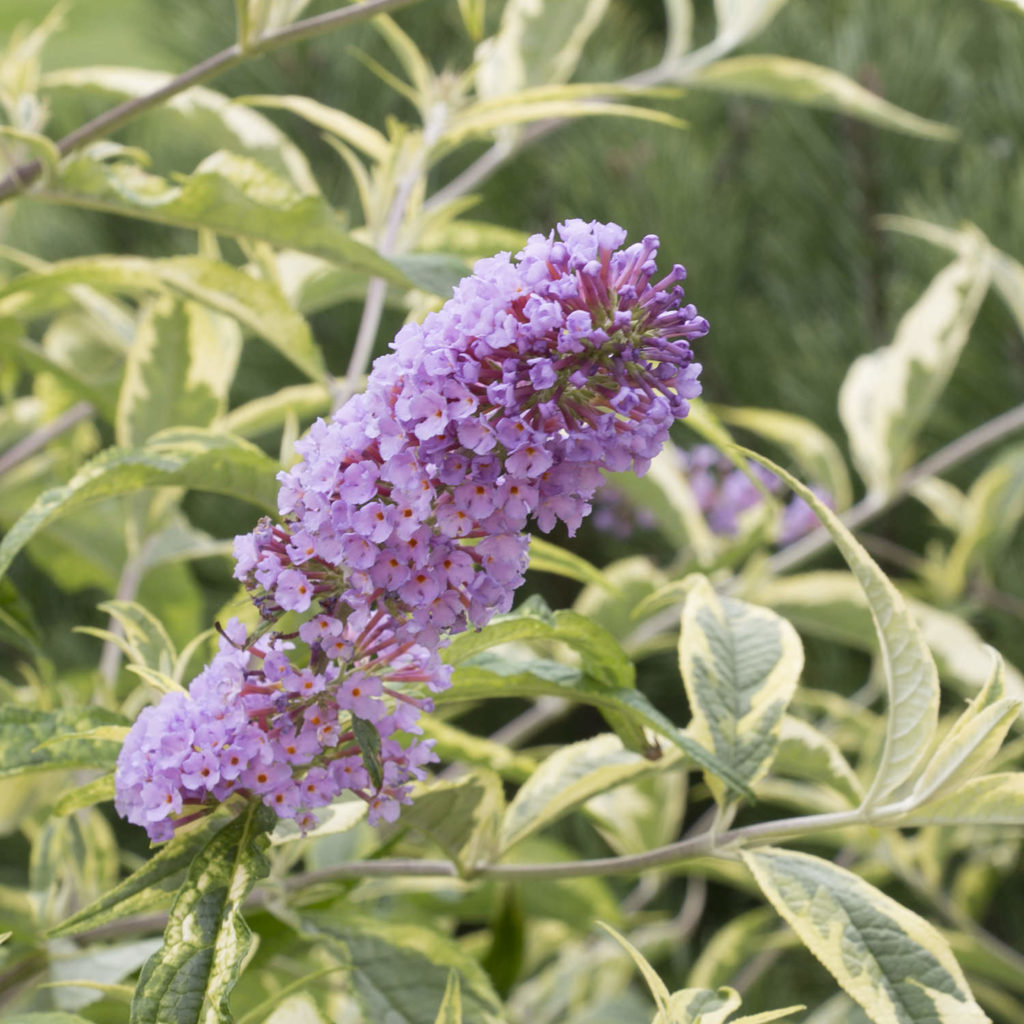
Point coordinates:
[(404, 522), (723, 492)]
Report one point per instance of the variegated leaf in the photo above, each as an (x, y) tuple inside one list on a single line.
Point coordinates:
[(740, 666), (912, 682), (892, 962)]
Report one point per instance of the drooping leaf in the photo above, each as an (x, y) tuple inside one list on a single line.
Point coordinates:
[(563, 781), (809, 446), (538, 678), (548, 557), (86, 795), (33, 740), (889, 960), (188, 980), (368, 740), (174, 458), (832, 605), (888, 394), (912, 681), (740, 665), (400, 972), (772, 77)]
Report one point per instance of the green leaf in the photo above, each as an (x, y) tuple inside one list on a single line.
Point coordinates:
[(570, 776), (400, 973), (152, 885), (992, 514), (145, 638), (95, 792), (178, 371), (487, 118), (658, 988), (974, 739), (269, 412), (462, 816), (537, 43), (804, 441), (548, 557), (832, 605), (912, 682), (888, 394), (18, 627), (228, 194), (1007, 273), (768, 76), (197, 112), (699, 1006), (987, 800), (174, 458), (257, 304), (45, 1017), (450, 1010), (356, 133), (539, 678), (768, 1015), (368, 740), (740, 665), (889, 960), (190, 978), (807, 753), (454, 744), (33, 740)]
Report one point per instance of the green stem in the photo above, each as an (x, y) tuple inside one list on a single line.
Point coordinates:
[(20, 177)]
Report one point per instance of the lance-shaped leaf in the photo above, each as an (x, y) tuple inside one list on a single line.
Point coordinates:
[(740, 666), (450, 1011), (152, 885), (174, 458), (227, 193), (888, 394), (911, 679), (811, 85), (33, 740), (889, 960), (400, 973), (974, 739), (987, 800), (570, 776), (188, 980)]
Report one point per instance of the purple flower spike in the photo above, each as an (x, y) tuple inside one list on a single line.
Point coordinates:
[(404, 522)]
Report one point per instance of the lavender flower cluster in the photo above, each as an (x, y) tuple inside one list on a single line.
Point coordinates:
[(404, 522), (723, 493)]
